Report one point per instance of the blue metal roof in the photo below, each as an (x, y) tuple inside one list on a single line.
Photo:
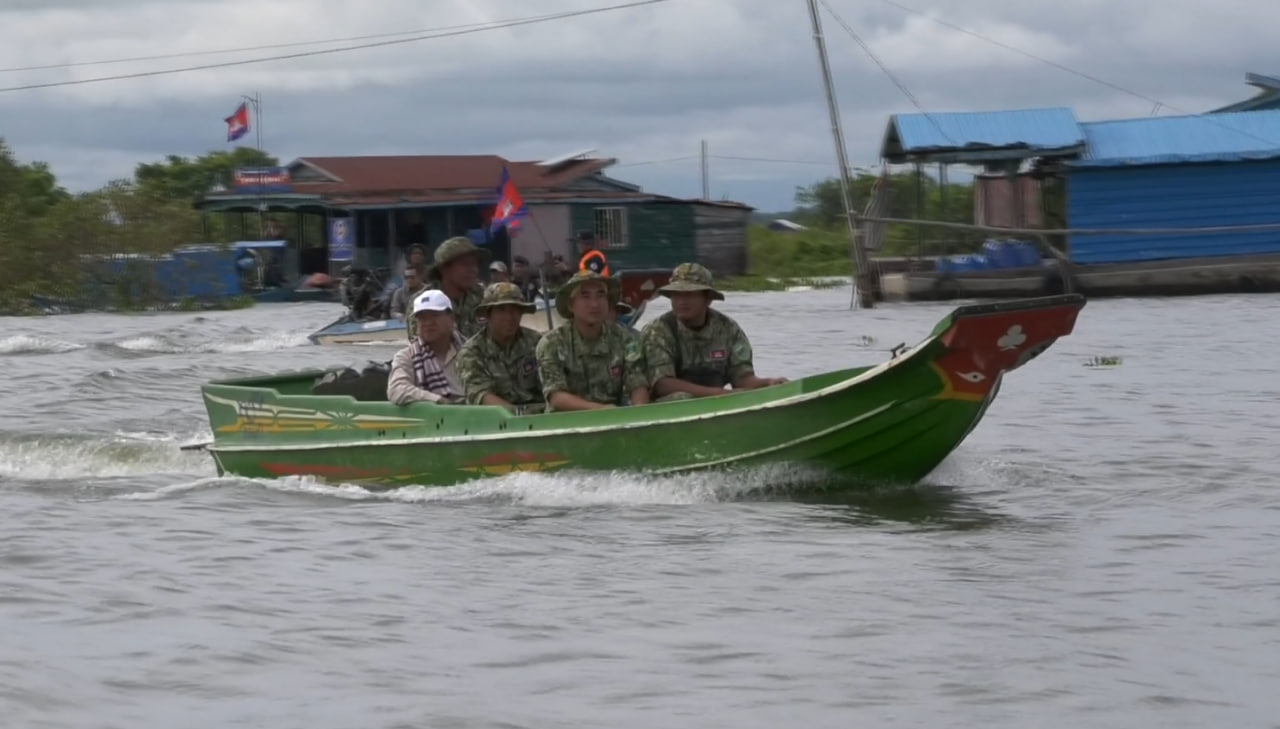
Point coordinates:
[(1268, 96), (981, 135), (1231, 137)]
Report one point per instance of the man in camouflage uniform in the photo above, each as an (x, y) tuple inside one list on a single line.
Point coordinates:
[(456, 271), (499, 366), (360, 293), (694, 350), (590, 361)]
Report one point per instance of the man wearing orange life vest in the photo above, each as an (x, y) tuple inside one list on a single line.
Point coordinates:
[(591, 258)]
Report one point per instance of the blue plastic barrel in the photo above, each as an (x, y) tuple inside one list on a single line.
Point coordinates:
[(1027, 254)]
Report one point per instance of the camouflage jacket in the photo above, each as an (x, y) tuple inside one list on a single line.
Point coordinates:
[(510, 373), (713, 356), (464, 312), (604, 371)]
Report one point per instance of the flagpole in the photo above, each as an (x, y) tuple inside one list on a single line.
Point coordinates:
[(256, 102)]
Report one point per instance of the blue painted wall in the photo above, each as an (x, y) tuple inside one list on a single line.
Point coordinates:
[(1173, 196)]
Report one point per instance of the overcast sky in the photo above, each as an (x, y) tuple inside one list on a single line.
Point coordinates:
[(643, 85)]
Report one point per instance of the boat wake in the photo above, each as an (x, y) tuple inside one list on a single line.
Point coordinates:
[(29, 344), (565, 489), (85, 457), (145, 466), (195, 339), (177, 343)]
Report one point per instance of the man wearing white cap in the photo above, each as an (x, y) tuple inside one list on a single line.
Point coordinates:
[(498, 273), (425, 371)]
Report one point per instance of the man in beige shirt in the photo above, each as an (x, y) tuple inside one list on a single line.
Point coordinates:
[(425, 370)]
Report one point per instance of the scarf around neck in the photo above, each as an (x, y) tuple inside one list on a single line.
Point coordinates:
[(426, 368)]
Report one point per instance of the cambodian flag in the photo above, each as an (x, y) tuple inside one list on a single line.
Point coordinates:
[(510, 209), (238, 123)]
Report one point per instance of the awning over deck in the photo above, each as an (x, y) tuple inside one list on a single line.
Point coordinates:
[(982, 137)]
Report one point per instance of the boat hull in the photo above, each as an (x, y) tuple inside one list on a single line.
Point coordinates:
[(894, 422)]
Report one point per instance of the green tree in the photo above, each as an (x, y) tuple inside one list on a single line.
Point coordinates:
[(32, 187), (910, 196), (188, 178)]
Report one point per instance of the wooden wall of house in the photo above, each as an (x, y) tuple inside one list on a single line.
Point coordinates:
[(722, 238), (999, 201), (658, 235), (546, 228)]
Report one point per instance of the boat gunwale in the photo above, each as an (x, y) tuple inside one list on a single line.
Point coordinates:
[(513, 434)]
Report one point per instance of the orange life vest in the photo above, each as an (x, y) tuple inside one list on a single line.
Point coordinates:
[(594, 260)]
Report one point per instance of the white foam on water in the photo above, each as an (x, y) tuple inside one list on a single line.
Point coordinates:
[(173, 489), (161, 344), (58, 458), (35, 344), (566, 489)]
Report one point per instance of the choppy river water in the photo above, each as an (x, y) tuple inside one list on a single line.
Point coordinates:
[(1101, 551)]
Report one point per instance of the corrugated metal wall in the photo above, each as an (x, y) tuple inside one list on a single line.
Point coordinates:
[(1173, 196)]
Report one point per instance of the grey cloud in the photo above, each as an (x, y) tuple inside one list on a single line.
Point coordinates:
[(652, 99)]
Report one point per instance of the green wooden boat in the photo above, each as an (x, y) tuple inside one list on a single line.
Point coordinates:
[(889, 423)]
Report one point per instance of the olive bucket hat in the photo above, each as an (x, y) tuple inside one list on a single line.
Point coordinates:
[(504, 294), (453, 249), (564, 296), (691, 277)]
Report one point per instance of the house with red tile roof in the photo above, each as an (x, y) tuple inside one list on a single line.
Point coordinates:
[(392, 202)]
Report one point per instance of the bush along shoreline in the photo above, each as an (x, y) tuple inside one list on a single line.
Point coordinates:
[(53, 242)]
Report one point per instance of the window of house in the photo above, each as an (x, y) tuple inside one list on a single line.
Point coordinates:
[(611, 228)]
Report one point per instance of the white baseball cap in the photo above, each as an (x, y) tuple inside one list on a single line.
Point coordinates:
[(498, 266), (433, 300)]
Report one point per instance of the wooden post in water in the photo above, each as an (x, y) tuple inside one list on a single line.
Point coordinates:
[(862, 270)]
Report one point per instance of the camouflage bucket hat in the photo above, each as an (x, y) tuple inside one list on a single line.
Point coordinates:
[(691, 277), (456, 248), (504, 294), (564, 296)]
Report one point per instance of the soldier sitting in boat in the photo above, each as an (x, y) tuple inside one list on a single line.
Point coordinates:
[(425, 371), (456, 272), (590, 361), (499, 366), (360, 294), (415, 282), (524, 277), (694, 350)]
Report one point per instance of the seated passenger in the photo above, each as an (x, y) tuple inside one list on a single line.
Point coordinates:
[(499, 366), (415, 281), (360, 294), (694, 350), (590, 361), (425, 370)]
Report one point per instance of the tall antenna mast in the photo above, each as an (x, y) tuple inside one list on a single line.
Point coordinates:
[(862, 274)]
